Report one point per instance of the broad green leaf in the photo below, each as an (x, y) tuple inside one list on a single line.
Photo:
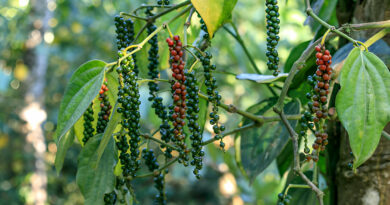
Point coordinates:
[(82, 88), (214, 13), (112, 93), (363, 102), (62, 146), (95, 182), (260, 146), (262, 78)]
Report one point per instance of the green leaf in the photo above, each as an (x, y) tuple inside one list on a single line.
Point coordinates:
[(363, 103), (95, 182), (62, 146), (214, 13), (112, 94), (82, 88), (260, 146)]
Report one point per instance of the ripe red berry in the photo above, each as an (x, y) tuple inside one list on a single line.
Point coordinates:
[(326, 52), (315, 146), (319, 62), (325, 77), (326, 86), (322, 67), (320, 84), (323, 99), (173, 52), (319, 55), (318, 48), (325, 57), (176, 38)]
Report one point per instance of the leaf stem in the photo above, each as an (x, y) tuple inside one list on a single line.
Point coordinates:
[(239, 129), (132, 16), (296, 186)]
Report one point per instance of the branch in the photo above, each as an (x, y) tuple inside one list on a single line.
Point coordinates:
[(245, 127), (294, 70), (147, 136), (385, 134), (311, 13), (143, 6), (313, 187), (369, 25), (159, 170)]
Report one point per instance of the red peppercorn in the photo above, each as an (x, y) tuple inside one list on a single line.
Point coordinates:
[(319, 55), (325, 77)]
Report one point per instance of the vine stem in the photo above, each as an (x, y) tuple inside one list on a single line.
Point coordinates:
[(147, 136), (297, 186), (143, 6), (236, 35), (159, 170)]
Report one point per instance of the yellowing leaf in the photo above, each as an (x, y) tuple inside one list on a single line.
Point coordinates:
[(214, 12)]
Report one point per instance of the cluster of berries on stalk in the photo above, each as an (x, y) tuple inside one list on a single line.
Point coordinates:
[(125, 35), (110, 198), (213, 95), (179, 93), (120, 187), (272, 10), (163, 2), (88, 127), (128, 98), (319, 111), (153, 166), (159, 108), (193, 125), (283, 200), (105, 109)]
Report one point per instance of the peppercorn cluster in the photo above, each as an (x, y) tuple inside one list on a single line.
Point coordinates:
[(283, 200), (128, 98), (204, 28), (88, 127), (120, 187), (272, 10), (163, 2), (193, 126), (157, 104), (213, 96), (125, 35), (153, 166), (179, 92), (105, 109), (320, 82), (110, 198)]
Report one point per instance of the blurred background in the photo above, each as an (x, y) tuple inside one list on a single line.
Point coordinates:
[(43, 41)]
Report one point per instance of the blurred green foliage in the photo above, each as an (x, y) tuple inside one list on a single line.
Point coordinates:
[(84, 30)]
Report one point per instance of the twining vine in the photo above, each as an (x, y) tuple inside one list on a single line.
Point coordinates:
[(180, 129)]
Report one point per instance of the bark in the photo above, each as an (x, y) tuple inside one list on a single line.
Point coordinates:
[(34, 113), (371, 184)]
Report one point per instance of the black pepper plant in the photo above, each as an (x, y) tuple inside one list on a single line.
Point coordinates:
[(110, 162)]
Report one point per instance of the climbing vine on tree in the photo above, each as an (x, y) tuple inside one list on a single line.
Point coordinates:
[(101, 105)]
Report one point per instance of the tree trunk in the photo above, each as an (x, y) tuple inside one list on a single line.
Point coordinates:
[(371, 184), (34, 113)]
